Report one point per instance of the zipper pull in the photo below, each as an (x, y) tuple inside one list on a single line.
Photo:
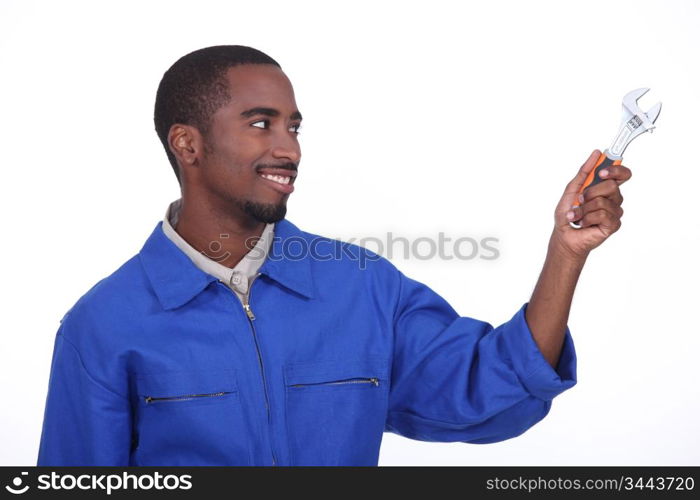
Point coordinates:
[(249, 311), (375, 381)]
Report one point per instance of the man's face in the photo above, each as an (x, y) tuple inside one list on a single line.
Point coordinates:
[(255, 134)]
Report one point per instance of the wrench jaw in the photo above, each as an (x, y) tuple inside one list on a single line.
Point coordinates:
[(653, 114), (629, 102), (634, 122)]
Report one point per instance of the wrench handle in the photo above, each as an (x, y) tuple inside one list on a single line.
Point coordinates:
[(594, 178)]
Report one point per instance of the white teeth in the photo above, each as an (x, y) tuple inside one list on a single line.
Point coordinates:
[(277, 178)]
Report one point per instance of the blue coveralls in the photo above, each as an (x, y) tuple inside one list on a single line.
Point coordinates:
[(159, 364)]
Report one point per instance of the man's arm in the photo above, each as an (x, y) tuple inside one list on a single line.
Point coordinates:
[(456, 378), (85, 423), (548, 310)]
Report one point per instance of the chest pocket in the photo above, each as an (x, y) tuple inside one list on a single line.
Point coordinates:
[(190, 417), (336, 410)]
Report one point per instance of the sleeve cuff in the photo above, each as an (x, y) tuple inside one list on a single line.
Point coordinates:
[(533, 370)]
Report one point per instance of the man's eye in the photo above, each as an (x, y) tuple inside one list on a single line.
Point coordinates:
[(266, 124)]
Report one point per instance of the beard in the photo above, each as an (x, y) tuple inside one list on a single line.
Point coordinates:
[(263, 212)]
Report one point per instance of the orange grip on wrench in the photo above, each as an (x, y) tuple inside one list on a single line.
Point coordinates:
[(594, 178)]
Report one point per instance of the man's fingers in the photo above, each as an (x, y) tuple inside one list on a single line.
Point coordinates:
[(608, 189), (607, 221), (619, 173), (587, 166), (596, 204)]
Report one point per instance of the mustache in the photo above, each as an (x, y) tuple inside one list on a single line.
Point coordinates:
[(286, 166)]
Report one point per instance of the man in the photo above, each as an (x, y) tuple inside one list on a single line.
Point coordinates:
[(235, 338)]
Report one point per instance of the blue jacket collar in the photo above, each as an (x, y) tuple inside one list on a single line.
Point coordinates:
[(176, 280)]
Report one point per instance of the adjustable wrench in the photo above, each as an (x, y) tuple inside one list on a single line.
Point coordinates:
[(634, 123)]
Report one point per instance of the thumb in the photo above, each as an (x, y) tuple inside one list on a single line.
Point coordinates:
[(583, 172)]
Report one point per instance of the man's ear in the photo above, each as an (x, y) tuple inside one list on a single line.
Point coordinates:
[(186, 144)]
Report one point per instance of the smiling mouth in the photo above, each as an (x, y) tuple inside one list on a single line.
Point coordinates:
[(280, 179)]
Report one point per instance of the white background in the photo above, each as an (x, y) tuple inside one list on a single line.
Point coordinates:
[(419, 117)]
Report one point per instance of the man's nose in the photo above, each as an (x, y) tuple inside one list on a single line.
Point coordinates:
[(286, 146)]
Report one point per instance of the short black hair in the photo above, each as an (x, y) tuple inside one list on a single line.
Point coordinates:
[(195, 86)]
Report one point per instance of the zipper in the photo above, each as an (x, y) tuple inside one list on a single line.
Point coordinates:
[(248, 310), (370, 380), (251, 318), (150, 399)]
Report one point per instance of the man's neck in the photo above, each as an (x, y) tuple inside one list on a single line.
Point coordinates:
[(223, 238)]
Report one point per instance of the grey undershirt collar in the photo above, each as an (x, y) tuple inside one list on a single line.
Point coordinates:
[(237, 278)]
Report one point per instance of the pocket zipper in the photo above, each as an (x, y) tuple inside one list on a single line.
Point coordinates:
[(150, 399), (371, 380)]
